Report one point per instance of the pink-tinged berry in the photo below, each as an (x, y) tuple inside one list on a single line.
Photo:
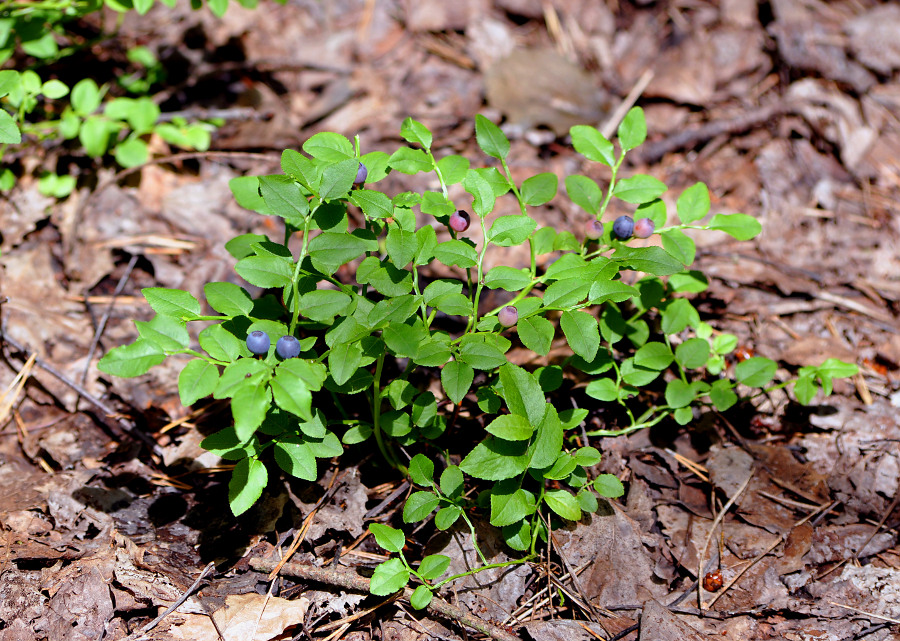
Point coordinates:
[(508, 316), (594, 230), (361, 174), (459, 222), (623, 227), (644, 227)]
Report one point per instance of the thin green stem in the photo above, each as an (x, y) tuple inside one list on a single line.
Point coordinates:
[(512, 185), (389, 456)]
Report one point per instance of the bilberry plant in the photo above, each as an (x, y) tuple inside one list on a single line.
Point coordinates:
[(372, 321)]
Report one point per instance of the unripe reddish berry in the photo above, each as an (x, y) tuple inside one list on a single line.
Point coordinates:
[(644, 227), (508, 316), (459, 222), (594, 230)]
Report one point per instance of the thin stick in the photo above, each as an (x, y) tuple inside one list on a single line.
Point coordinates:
[(184, 597), (352, 581), (610, 127), (868, 614)]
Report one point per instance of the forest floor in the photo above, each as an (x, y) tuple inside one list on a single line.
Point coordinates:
[(788, 111)]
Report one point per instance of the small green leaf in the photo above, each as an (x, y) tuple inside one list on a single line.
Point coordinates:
[(679, 393), (410, 161), (652, 260), (496, 459), (805, 390), (337, 179), (421, 597), (414, 131), (248, 480), (539, 189), (197, 380), (228, 299), (54, 89), (387, 537), (266, 271), (389, 577), (433, 566), (677, 315), (683, 415), (693, 203), (656, 356), (284, 199), (483, 193), (582, 333), (453, 168), (492, 141), (510, 503), (85, 98), (632, 131), (447, 516), (419, 505), (722, 395), (739, 226), (507, 278), (536, 333), (132, 360), (639, 189), (249, 406), (452, 482), (692, 353), (421, 470), (603, 389), (756, 371), (456, 252), (679, 245), (609, 486), (329, 147), (511, 427), (295, 456), (522, 393), (456, 379), (585, 193), (593, 145), (481, 355), (563, 503)]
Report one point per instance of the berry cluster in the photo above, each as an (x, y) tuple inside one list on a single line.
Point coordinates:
[(258, 343)]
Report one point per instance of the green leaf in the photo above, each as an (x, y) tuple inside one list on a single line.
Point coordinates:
[(433, 566), (169, 333), (295, 456), (221, 344), (805, 390), (248, 407), (94, 135), (522, 393), (692, 282), (481, 355), (593, 145), (587, 456), (248, 480), (292, 386), (511, 427), (85, 98), (405, 340), (510, 503), (330, 250), (492, 141), (610, 290), (656, 356), (722, 395), (322, 305), (636, 375), (756, 371), (456, 379), (639, 189), (421, 597), (692, 353), (456, 252), (563, 503), (329, 147), (452, 482), (739, 226), (565, 293), (9, 130), (387, 537), (835, 368), (547, 444), (54, 185), (585, 193), (453, 168), (337, 179), (266, 271), (679, 245), (609, 486), (483, 194), (562, 467), (679, 393), (677, 315), (373, 203), (357, 434), (284, 198), (539, 189), (389, 577), (131, 153), (343, 361), (299, 168), (197, 380), (228, 299), (582, 333), (724, 343), (632, 130), (506, 231), (401, 246), (507, 278), (693, 203), (54, 89), (414, 131), (419, 506), (410, 161), (496, 459), (424, 409), (603, 389), (172, 302), (652, 260), (536, 333), (683, 415), (132, 360), (421, 470)]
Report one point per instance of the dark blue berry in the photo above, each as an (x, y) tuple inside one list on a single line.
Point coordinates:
[(287, 347), (623, 227), (361, 174), (258, 342)]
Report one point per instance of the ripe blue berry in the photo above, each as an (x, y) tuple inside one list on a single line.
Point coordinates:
[(623, 227), (643, 228), (594, 230), (287, 347), (459, 221), (508, 316), (361, 174), (258, 342)]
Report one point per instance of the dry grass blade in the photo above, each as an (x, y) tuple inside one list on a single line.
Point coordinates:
[(10, 396)]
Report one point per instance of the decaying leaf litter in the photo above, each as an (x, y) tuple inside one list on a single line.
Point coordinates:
[(787, 110)]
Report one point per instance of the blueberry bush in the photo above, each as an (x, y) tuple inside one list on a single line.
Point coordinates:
[(350, 297)]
